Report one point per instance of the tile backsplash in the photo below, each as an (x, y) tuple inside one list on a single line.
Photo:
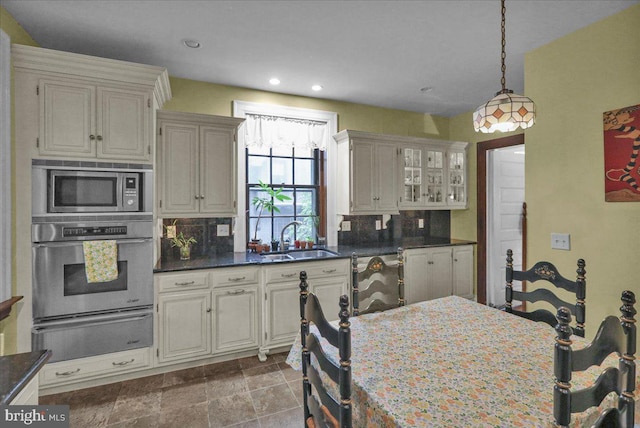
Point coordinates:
[(204, 230), (404, 225), (363, 231)]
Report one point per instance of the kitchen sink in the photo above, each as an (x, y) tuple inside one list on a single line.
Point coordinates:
[(277, 257), (311, 254)]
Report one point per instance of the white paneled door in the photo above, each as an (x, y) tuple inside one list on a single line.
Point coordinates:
[(505, 195)]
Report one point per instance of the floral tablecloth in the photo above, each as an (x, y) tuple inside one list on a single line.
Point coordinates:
[(451, 362)]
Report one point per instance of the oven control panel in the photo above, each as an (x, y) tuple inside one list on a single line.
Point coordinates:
[(94, 231)]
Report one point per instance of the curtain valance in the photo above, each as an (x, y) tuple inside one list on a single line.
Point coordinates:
[(284, 132)]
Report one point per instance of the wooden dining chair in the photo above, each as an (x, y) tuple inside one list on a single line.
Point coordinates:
[(614, 335), (548, 272), (381, 284), (321, 408)]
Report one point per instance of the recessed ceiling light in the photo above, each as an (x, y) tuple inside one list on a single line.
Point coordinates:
[(274, 81), (191, 43), (316, 88)]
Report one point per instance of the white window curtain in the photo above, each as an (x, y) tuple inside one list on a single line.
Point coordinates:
[(265, 131)]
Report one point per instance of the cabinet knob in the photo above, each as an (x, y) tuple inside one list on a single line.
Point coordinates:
[(455, 260), (201, 196), (92, 137), (197, 197), (208, 309), (99, 138)]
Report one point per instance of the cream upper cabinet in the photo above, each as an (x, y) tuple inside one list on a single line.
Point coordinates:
[(382, 174), (80, 120), (367, 174), (196, 172), (86, 107), (433, 175), (124, 125)]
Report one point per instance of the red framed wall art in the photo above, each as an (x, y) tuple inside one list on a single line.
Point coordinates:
[(621, 151)]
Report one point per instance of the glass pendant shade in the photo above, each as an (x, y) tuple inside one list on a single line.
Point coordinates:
[(505, 112)]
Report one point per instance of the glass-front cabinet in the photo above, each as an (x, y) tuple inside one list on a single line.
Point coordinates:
[(433, 175), (457, 178)]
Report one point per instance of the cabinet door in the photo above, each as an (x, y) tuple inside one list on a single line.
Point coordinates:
[(434, 178), (67, 119), (217, 171), (185, 325), (178, 169), (415, 276), (235, 322), (328, 292), (283, 313), (411, 177), (386, 192), (457, 195), (123, 124), (362, 177), (463, 271), (439, 272)]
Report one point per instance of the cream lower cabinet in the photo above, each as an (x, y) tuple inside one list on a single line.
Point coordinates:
[(463, 271), (207, 312), (431, 273), (185, 325), (327, 279)]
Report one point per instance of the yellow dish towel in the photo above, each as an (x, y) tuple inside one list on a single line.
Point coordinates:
[(100, 260)]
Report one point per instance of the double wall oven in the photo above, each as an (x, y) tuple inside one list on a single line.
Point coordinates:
[(74, 203)]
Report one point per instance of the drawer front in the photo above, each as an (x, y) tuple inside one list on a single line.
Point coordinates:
[(182, 281), (315, 270), (95, 367), (234, 276)]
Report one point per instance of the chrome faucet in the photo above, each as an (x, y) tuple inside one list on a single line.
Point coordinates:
[(282, 234)]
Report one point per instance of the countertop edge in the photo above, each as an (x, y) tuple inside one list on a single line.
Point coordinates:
[(232, 260), (26, 377)]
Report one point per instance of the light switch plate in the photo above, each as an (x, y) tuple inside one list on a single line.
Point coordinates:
[(560, 241), (346, 226), (378, 224), (222, 230), (420, 223)]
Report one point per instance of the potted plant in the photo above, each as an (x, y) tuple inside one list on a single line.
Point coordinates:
[(183, 243), (262, 203), (309, 242)]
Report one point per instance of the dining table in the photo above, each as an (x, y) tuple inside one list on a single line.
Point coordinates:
[(452, 362)]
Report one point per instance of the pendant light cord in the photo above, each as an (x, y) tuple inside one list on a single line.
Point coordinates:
[(504, 43)]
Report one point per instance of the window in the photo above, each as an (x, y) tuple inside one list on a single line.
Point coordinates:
[(329, 222), (296, 171)]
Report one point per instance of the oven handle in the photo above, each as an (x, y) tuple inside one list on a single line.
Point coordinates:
[(71, 243), (94, 320)]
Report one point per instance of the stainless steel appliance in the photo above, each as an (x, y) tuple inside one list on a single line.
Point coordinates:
[(75, 318), (74, 187)]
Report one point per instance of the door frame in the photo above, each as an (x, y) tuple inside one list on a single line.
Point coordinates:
[(481, 180)]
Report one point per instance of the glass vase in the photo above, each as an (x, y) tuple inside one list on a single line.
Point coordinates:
[(185, 253)]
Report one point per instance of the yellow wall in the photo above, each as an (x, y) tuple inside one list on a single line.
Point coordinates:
[(17, 35), (208, 98), (573, 80)]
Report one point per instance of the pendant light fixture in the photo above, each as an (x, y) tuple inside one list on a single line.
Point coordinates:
[(506, 111)]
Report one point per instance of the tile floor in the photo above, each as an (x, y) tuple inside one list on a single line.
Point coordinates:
[(240, 393)]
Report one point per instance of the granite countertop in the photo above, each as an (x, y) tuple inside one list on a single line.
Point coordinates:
[(231, 259), (17, 370)]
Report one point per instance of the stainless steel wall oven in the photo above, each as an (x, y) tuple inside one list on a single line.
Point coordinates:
[(75, 317)]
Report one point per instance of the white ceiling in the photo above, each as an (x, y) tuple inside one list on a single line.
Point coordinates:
[(370, 52)]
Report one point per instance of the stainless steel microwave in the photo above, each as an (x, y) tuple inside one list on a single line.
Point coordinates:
[(91, 190)]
